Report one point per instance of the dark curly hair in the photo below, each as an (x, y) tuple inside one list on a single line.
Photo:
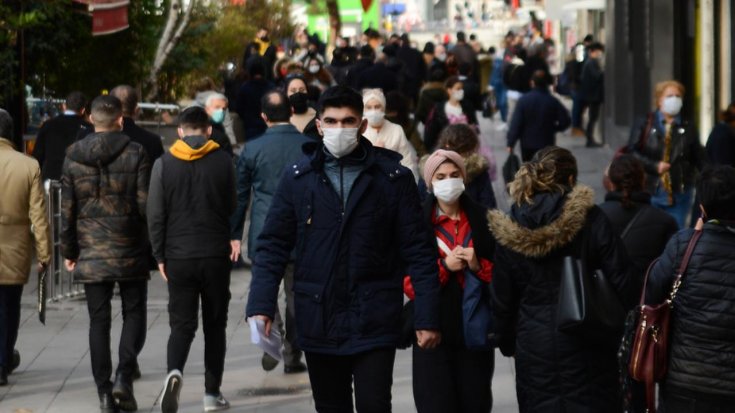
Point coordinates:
[(460, 138), (627, 176)]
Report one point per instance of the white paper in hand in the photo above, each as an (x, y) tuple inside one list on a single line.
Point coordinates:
[(271, 344)]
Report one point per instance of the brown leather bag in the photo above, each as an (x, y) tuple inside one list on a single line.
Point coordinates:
[(649, 357)]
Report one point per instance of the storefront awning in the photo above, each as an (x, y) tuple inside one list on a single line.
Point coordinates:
[(585, 5), (108, 16)]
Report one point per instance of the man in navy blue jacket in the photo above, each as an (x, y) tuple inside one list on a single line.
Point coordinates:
[(537, 118), (352, 214)]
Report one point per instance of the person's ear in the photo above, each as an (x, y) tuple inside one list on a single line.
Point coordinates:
[(319, 127), (363, 126), (180, 132), (119, 122), (209, 131), (136, 112)]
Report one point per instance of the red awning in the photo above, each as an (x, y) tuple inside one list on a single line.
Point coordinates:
[(108, 16)]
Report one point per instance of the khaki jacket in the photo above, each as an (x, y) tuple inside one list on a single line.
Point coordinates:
[(22, 203)]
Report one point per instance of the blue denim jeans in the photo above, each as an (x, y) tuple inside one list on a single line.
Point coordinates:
[(680, 210)]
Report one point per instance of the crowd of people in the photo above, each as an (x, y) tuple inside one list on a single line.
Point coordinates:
[(356, 207)]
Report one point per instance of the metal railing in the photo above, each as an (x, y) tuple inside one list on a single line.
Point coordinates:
[(60, 281)]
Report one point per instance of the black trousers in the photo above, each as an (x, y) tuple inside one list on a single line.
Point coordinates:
[(447, 380), (332, 381), (188, 281), (134, 301), (9, 321), (592, 116)]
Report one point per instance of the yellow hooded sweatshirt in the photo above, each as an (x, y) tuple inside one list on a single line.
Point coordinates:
[(183, 151)]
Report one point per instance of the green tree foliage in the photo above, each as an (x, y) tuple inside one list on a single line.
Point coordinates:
[(61, 54)]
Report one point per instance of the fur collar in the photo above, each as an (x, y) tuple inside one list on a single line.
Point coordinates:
[(541, 241), (475, 164)]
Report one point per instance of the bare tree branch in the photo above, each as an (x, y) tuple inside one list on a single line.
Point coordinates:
[(175, 25)]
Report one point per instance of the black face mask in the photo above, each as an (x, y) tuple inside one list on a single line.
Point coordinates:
[(300, 102), (265, 38)]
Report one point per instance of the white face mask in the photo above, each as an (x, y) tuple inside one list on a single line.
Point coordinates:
[(340, 141), (672, 105), (314, 69), (448, 190), (374, 117), (458, 95), (441, 57)]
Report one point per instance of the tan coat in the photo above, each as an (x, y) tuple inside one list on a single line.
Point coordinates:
[(22, 203)]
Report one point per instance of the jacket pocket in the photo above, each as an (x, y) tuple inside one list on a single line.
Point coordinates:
[(380, 308), (309, 309)]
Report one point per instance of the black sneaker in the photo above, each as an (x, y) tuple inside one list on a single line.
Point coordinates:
[(122, 392), (171, 391), (268, 362), (14, 361), (3, 376), (294, 368), (136, 372)]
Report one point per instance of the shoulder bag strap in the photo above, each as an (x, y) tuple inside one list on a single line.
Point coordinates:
[(631, 222), (680, 272), (685, 263)]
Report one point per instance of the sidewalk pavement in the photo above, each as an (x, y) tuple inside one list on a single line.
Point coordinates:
[(55, 371)]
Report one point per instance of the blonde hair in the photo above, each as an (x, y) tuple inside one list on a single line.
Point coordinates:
[(658, 91), (548, 171)]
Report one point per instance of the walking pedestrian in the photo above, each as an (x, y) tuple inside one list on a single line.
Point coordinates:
[(151, 142), (456, 375), (352, 213), (537, 119), (259, 171), (23, 213), (449, 112), (104, 187), (592, 90), (192, 197), (249, 95), (384, 133), (702, 330), (216, 108), (303, 116), (57, 134), (551, 217), (644, 230), (462, 139), (670, 151)]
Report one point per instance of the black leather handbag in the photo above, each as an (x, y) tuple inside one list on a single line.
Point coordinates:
[(587, 301)]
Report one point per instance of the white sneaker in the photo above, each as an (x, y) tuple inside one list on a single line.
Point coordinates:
[(171, 391), (215, 403)]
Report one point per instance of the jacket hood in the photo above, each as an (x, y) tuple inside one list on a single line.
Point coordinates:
[(566, 216), (100, 148), (191, 148)]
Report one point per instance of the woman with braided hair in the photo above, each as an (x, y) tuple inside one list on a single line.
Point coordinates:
[(553, 216), (645, 230)]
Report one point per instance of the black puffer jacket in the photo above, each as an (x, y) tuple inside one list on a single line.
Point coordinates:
[(648, 235), (687, 154), (702, 341), (555, 372), (104, 188)]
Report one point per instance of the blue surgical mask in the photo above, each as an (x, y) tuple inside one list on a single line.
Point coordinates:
[(218, 116)]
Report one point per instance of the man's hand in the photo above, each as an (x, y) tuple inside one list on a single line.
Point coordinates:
[(428, 339), (234, 250), (42, 266), (663, 167), (70, 264), (268, 323), (162, 270)]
